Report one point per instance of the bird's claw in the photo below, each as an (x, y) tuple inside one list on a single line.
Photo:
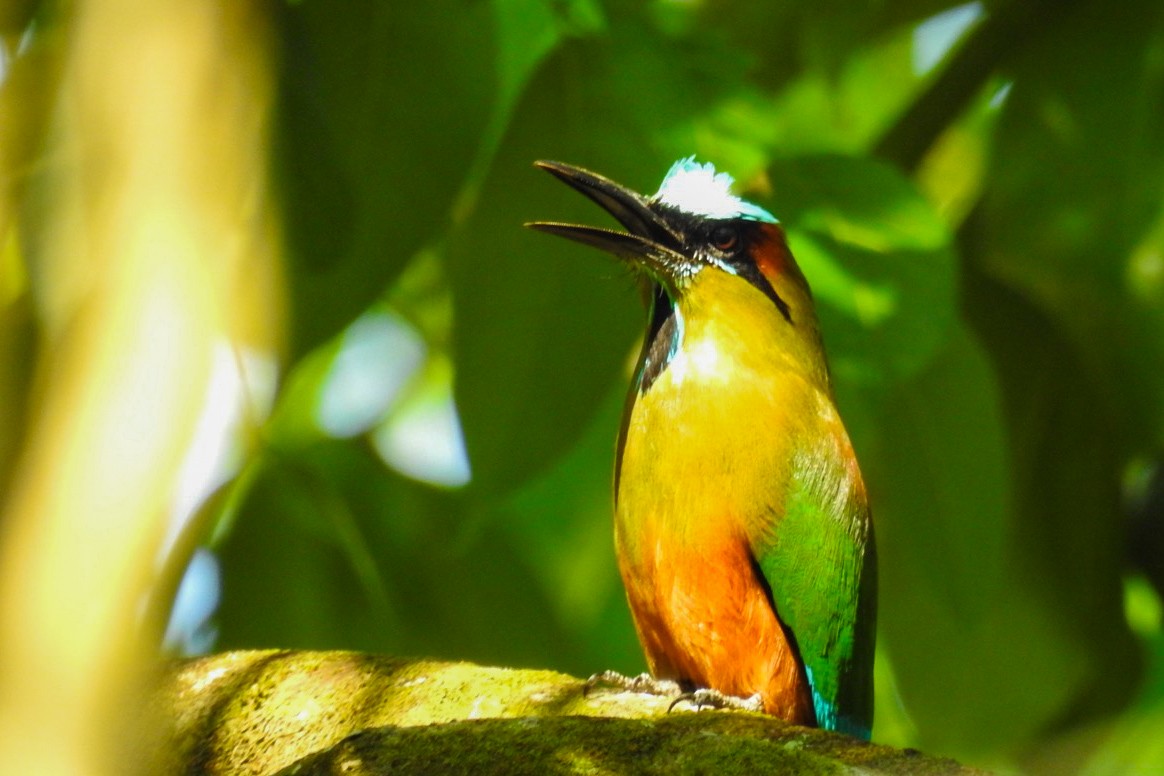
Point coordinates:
[(703, 698), (707, 698), (642, 683)]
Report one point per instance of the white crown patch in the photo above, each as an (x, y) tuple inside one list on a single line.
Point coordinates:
[(698, 189)]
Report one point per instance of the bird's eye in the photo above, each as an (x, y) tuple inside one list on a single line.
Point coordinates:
[(724, 238)]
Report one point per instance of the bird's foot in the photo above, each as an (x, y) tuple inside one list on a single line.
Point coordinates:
[(707, 698), (641, 683)]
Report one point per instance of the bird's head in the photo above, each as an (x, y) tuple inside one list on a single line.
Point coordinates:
[(704, 249), (692, 224)]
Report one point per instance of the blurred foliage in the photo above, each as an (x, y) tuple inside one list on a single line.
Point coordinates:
[(975, 192)]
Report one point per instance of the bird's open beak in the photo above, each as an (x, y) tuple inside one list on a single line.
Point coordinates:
[(649, 243)]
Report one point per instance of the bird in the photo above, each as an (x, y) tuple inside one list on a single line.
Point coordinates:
[(742, 526)]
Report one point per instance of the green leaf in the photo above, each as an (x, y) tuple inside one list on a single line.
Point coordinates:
[(964, 639), (1067, 533), (945, 478), (1076, 184), (878, 259), (1073, 192), (382, 110)]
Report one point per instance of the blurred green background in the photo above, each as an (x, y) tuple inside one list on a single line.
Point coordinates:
[(975, 192)]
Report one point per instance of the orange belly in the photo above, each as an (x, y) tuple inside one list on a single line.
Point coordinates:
[(704, 617)]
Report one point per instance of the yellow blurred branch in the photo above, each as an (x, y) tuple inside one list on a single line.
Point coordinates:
[(157, 245)]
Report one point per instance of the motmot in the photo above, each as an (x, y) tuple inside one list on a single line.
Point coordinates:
[(742, 526)]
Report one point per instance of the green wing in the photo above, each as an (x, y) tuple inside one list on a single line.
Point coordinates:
[(819, 561)]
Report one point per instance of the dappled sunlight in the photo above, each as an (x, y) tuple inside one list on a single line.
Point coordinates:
[(1146, 272), (190, 630), (386, 381), (933, 38), (239, 398), (240, 393), (1142, 606), (379, 354), (1145, 266), (423, 438)]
